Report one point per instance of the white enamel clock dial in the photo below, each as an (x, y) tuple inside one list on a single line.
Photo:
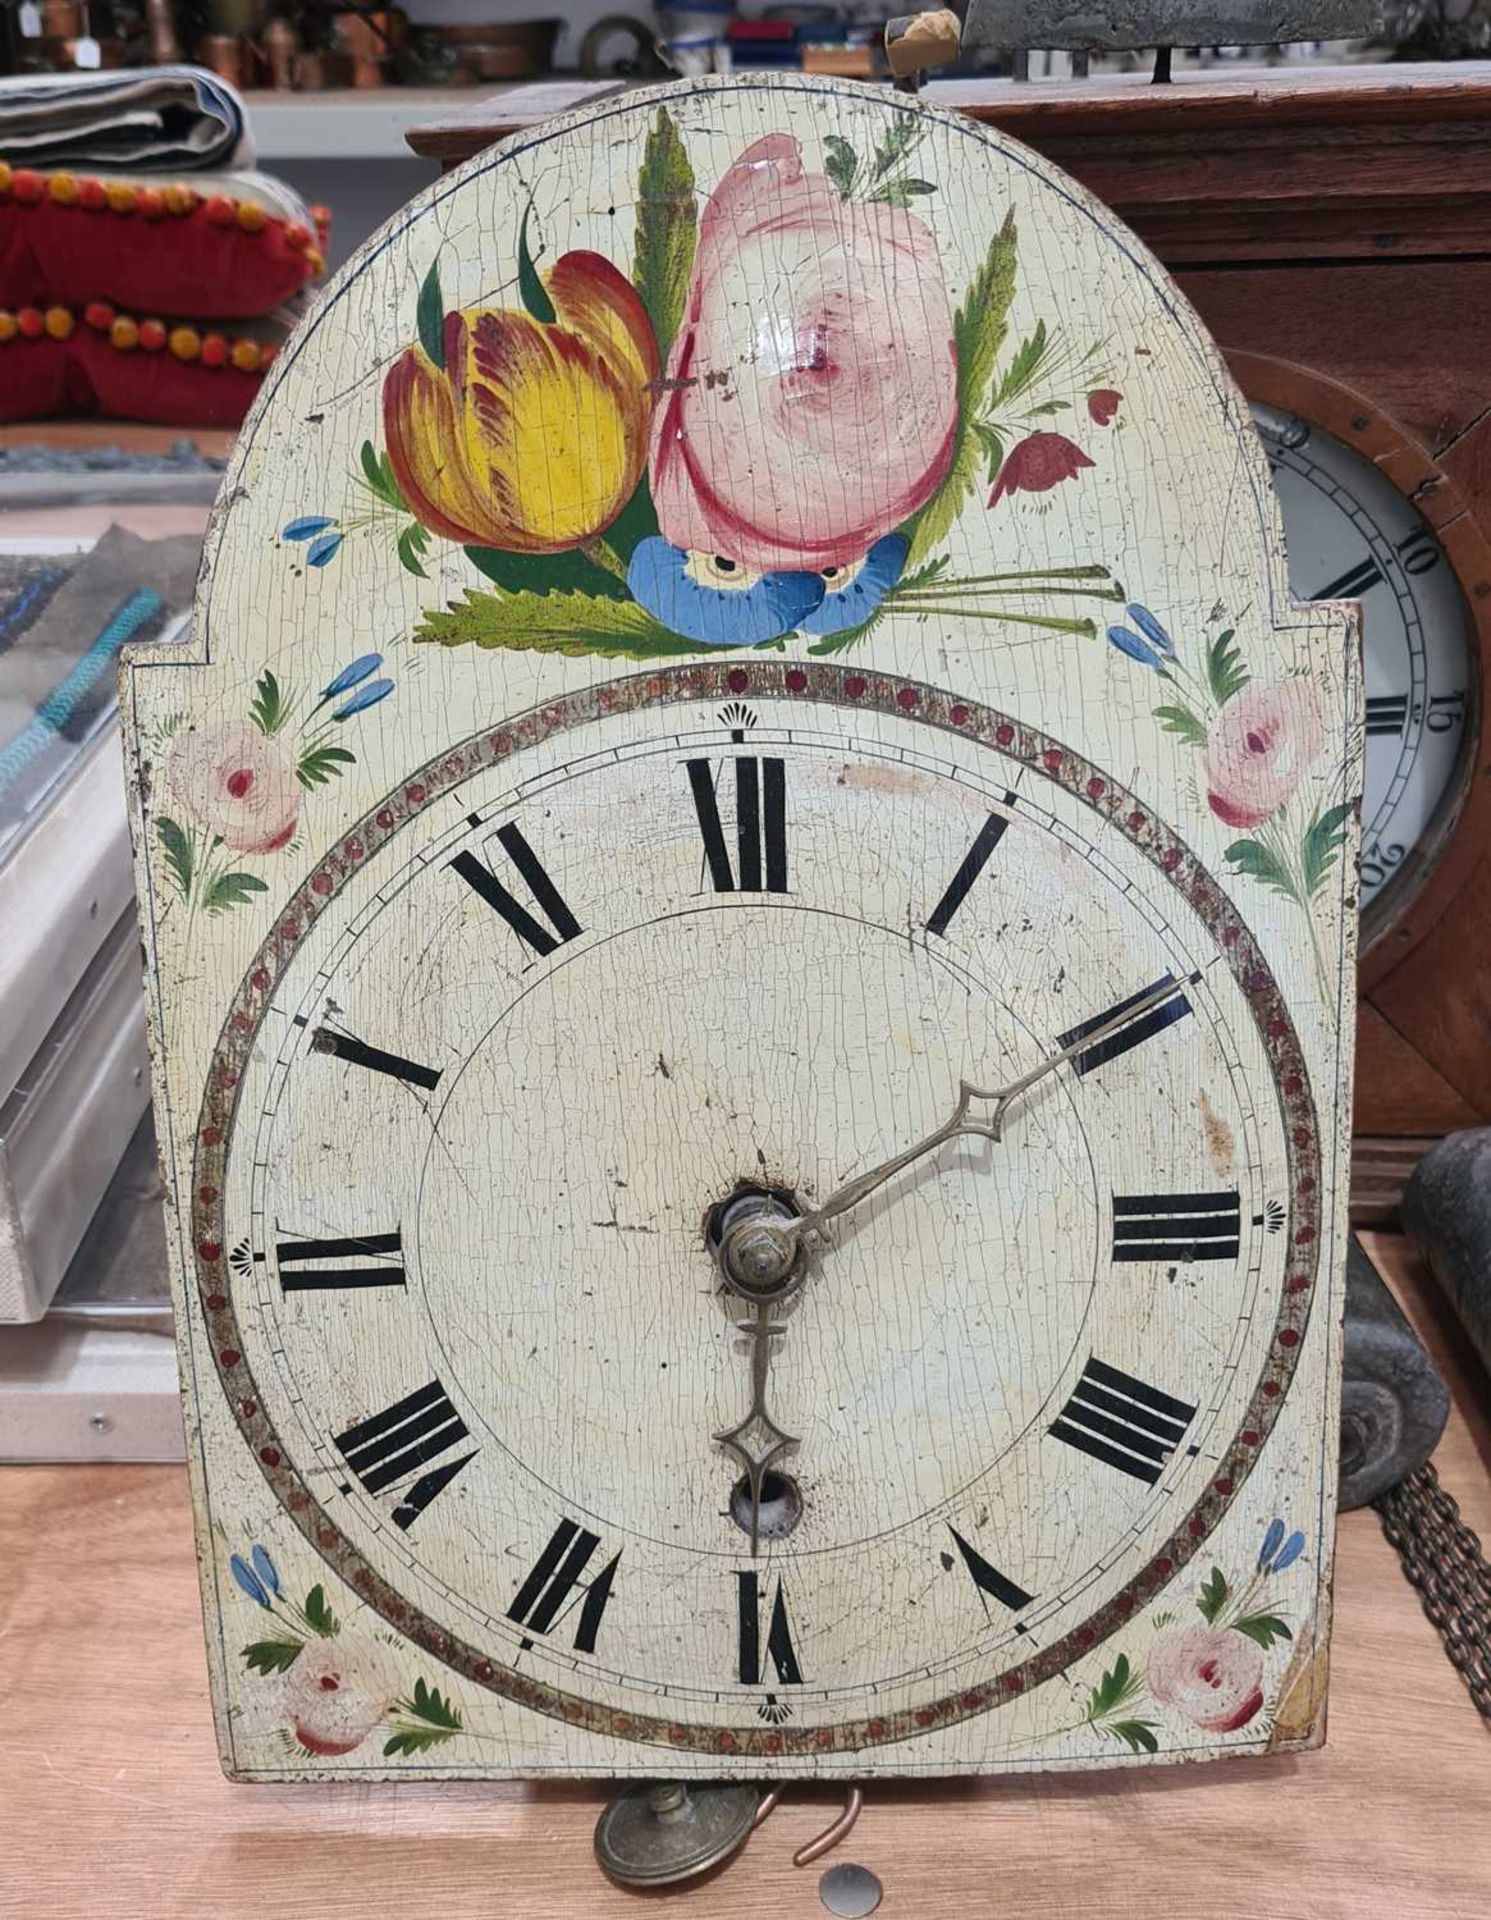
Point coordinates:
[(1353, 536), (748, 640)]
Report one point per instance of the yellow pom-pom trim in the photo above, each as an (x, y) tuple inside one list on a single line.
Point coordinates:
[(59, 323), (63, 189), (185, 343), (120, 196), (251, 216), (8, 327), (124, 334), (245, 355)]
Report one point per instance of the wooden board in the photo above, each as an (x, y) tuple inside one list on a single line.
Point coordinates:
[(115, 1807)]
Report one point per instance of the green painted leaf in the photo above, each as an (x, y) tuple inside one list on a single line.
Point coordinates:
[(979, 328), (900, 193), (1265, 1628), (177, 846), (411, 544), (273, 1656), (414, 1740), (531, 290), (269, 708), (1225, 669), (231, 890), (905, 131), (667, 223), (1323, 840), (1262, 863), (840, 163), (572, 623), (320, 764), (430, 1704), (1181, 720), (318, 1612), (1213, 1595), (1137, 1735), (429, 316), (1023, 368), (545, 573), (1118, 1686)]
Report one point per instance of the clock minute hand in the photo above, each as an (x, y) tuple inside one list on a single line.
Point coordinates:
[(961, 1122)]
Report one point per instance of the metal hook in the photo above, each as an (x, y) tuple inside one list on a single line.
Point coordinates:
[(831, 1835)]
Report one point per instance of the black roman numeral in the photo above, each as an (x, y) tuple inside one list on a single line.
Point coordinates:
[(1176, 1226), (1122, 1422), (973, 864), (989, 1580), (554, 1586), (550, 902), (360, 1054), (1154, 1019), (1353, 583), (387, 1447), (778, 1635), (1387, 712), (383, 1253), (760, 825)]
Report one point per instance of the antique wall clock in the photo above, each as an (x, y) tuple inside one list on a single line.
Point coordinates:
[(750, 896)]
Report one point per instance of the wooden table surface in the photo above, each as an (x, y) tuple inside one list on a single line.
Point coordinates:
[(111, 1803)]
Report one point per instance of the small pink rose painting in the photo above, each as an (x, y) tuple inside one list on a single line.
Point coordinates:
[(235, 787), (1212, 1676), (765, 428), (336, 1687), (1257, 742)]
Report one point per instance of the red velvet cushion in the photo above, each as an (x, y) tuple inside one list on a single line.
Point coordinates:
[(87, 374), (152, 249)]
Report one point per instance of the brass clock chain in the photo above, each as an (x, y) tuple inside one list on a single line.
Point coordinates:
[(1443, 1559)]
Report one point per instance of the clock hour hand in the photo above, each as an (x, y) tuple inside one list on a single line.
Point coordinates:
[(758, 1425), (789, 1235)]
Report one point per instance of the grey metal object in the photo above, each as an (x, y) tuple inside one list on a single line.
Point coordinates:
[(652, 1836), (1394, 1402), (65, 1127), (850, 1892), (1447, 1209), (994, 26)]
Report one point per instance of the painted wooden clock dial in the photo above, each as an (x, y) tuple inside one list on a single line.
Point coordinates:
[(750, 900)]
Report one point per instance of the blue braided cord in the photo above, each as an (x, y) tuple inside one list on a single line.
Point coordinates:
[(19, 609), (63, 701)]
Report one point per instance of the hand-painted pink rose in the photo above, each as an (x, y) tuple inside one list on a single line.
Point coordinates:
[(1211, 1675), (336, 1693), (804, 421), (237, 783), (1259, 747)]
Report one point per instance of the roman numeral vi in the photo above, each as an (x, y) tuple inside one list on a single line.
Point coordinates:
[(779, 1649)]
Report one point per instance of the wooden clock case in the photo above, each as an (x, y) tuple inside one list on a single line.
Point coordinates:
[(1333, 229)]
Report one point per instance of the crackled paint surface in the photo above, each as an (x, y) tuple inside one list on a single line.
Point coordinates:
[(738, 613)]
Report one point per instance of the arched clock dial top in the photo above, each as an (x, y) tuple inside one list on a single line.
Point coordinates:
[(1352, 535), (749, 1020)]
